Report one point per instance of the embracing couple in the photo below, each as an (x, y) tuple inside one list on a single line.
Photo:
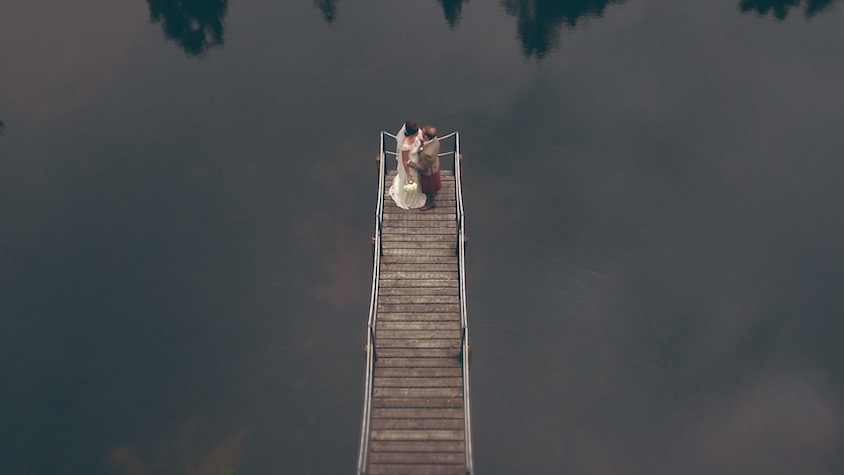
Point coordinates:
[(418, 179)]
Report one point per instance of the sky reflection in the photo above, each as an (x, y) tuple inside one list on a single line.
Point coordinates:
[(654, 267)]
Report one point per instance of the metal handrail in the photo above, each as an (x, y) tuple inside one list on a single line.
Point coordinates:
[(363, 454), (461, 255), (446, 136)]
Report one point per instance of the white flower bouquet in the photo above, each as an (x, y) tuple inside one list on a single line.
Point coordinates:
[(410, 187)]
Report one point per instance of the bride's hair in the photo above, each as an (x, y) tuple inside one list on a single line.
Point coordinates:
[(411, 127)]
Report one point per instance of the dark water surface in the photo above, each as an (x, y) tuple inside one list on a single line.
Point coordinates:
[(654, 199)]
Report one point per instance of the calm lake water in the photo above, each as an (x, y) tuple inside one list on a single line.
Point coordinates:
[(653, 193)]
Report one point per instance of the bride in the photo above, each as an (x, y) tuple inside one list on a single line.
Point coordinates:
[(405, 189)]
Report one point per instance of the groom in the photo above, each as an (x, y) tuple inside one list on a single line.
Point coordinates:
[(429, 166)]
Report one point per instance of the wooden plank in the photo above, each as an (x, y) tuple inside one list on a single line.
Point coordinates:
[(413, 325), (432, 284), (417, 392), (425, 246), (431, 296), (415, 362), (418, 424), (416, 225), (418, 252), (388, 291), (418, 317), (415, 219), (418, 413), (427, 371), (394, 266), (403, 216), (405, 267), (448, 260), (439, 209), (416, 403), (415, 238), (384, 283), (417, 458), (418, 353), (405, 446), (418, 275), (408, 237), (414, 334), (410, 383), (439, 213), (427, 299), (418, 242), (418, 339), (412, 403), (451, 372), (417, 435), (408, 240), (420, 334), (441, 228), (421, 344), (418, 228), (414, 469), (418, 344), (411, 308)]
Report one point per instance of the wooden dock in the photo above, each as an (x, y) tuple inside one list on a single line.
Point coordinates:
[(416, 410)]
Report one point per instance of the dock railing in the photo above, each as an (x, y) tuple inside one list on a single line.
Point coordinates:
[(465, 351)]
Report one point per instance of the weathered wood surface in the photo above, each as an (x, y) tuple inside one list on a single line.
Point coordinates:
[(417, 424)]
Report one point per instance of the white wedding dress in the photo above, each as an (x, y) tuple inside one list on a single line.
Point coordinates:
[(403, 198)]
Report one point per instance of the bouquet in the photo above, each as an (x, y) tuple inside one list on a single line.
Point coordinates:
[(410, 187)]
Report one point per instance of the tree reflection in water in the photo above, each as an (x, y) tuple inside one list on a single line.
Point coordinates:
[(328, 9), (452, 9), (196, 25), (540, 21), (780, 8)]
